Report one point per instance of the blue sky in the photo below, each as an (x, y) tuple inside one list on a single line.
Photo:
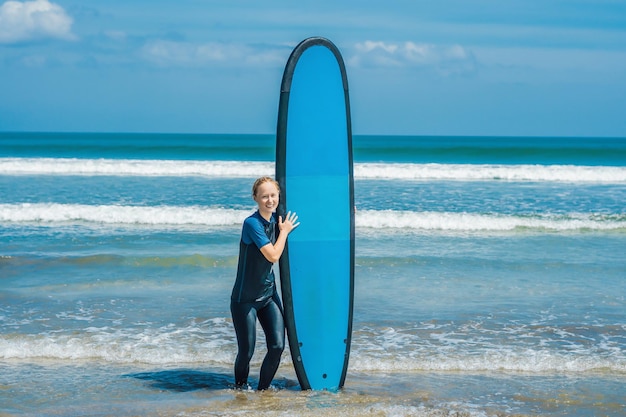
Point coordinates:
[(415, 67)]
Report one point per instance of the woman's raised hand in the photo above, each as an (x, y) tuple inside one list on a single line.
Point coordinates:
[(290, 222)]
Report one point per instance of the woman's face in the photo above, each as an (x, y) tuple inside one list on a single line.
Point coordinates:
[(267, 197)]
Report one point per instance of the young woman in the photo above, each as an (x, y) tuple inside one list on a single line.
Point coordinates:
[(254, 295)]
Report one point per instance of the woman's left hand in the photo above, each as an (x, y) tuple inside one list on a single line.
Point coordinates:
[(290, 222)]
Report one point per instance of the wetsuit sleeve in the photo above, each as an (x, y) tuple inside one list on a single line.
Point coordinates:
[(254, 232)]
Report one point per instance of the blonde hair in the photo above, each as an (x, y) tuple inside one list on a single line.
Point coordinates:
[(263, 180)]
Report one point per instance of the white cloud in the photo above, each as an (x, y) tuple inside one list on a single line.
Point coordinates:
[(116, 35), (186, 54), (24, 21), (34, 61), (445, 59)]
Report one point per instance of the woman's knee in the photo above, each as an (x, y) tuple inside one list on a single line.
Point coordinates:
[(278, 346), (276, 343), (274, 353)]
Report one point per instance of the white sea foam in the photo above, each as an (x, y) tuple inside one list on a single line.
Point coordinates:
[(528, 361), (482, 172), (133, 167), (56, 214), (213, 342), (53, 214), (251, 169), (454, 348), (438, 221)]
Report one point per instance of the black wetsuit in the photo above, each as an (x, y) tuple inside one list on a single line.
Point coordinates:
[(255, 297)]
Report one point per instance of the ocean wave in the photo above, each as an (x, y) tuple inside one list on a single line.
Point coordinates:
[(133, 167), (485, 172), (362, 171), (53, 214), (56, 214), (213, 342), (476, 222), (527, 361), (210, 341), (474, 347)]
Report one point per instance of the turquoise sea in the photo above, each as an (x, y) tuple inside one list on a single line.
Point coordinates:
[(490, 277)]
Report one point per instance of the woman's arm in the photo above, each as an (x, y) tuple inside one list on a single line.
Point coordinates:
[(273, 252)]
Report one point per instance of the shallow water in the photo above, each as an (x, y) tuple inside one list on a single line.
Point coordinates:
[(497, 289)]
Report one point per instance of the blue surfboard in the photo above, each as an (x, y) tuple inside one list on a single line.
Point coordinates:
[(314, 169)]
